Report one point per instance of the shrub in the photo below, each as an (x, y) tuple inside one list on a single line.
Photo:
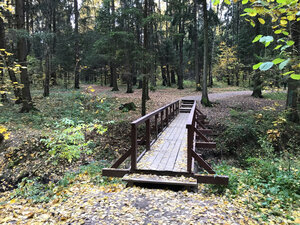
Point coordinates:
[(71, 142), (269, 185)]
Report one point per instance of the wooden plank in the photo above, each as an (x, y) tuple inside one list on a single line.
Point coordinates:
[(161, 182), (112, 172), (144, 118), (209, 145), (212, 179), (202, 163), (133, 146), (200, 134), (205, 131), (122, 159)]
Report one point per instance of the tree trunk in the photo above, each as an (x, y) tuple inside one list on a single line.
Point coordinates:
[(53, 73), (114, 77), (163, 74), (113, 64), (173, 78), (292, 100), (168, 76), (130, 79), (204, 100), (180, 74), (257, 82), (257, 86), (145, 67), (21, 55), (47, 51), (2, 71), (47, 73), (76, 12), (197, 74)]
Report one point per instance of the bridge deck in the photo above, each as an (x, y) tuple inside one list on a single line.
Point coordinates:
[(169, 152), (170, 160)]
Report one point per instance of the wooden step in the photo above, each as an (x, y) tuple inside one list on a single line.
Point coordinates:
[(209, 145), (187, 105), (189, 101), (185, 110), (133, 179)]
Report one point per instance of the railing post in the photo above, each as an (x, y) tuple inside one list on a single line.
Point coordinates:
[(162, 120), (189, 148), (173, 111), (133, 146), (148, 134), (155, 126), (167, 116)]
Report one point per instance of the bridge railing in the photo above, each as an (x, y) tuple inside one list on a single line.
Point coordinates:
[(162, 118), (196, 131)]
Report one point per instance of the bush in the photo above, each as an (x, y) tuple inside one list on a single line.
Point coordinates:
[(71, 142), (250, 134), (38, 191), (269, 186)]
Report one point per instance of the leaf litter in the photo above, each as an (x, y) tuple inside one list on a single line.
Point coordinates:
[(116, 204)]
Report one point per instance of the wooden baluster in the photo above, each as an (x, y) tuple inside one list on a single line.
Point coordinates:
[(133, 146), (167, 117), (148, 134), (162, 120), (190, 137), (174, 111), (155, 126)]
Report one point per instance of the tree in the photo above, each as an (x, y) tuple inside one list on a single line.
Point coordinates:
[(27, 104), (145, 66), (76, 34), (284, 15), (197, 74), (204, 100)]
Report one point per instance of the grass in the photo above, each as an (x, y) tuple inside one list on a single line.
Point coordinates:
[(38, 191), (73, 105), (275, 95), (268, 186)]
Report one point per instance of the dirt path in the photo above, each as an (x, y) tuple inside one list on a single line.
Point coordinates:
[(88, 204), (220, 95)]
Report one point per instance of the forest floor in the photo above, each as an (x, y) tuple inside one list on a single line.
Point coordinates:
[(84, 201)]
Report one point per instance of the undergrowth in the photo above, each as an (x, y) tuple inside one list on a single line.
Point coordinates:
[(75, 105), (265, 176), (37, 191)]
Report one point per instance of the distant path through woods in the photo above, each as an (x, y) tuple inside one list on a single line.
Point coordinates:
[(220, 95)]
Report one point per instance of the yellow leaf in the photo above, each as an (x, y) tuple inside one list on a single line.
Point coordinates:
[(261, 20), (291, 17), (283, 22)]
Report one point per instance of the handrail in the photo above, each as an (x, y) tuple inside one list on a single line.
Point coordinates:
[(190, 120), (171, 109), (192, 131), (149, 115)]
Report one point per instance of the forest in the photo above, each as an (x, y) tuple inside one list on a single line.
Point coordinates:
[(75, 74)]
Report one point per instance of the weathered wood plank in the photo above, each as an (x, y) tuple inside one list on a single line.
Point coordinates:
[(112, 172)]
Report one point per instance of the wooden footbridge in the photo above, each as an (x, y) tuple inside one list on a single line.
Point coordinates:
[(167, 150)]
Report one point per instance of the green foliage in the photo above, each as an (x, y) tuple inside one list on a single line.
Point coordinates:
[(265, 133), (229, 67), (75, 105), (275, 95), (269, 185), (39, 191), (71, 142), (282, 13), (34, 189)]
